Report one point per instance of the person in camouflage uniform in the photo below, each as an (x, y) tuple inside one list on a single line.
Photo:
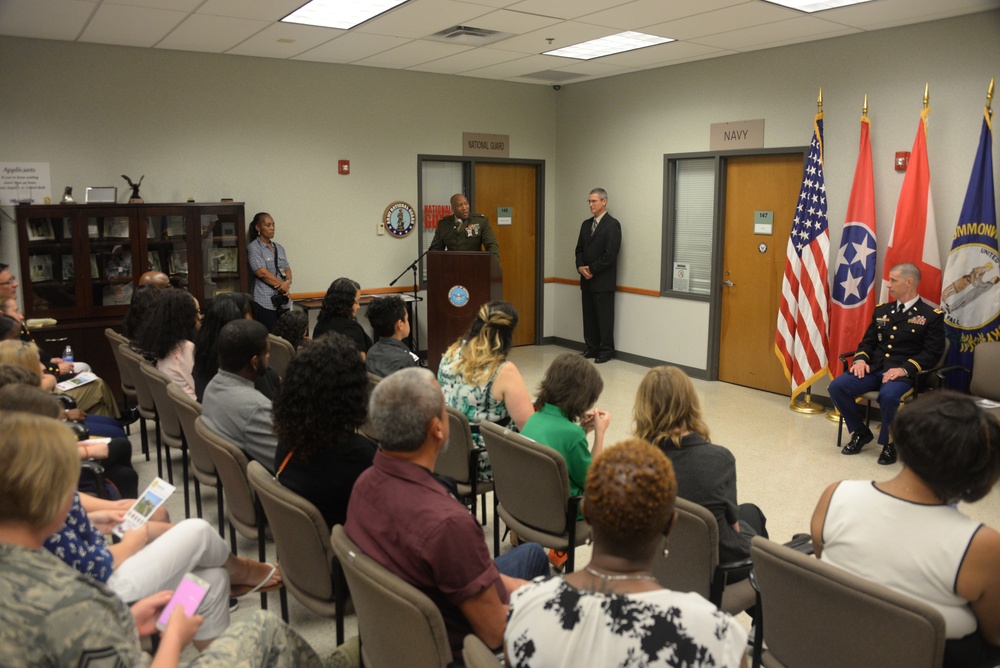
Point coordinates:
[(54, 616)]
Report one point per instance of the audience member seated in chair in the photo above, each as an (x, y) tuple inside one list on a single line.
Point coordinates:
[(339, 314), (613, 612), (317, 413), (401, 516), (168, 335), (391, 323), (18, 394), (56, 616), (908, 534), (478, 380), (224, 309), (293, 326), (904, 337), (667, 414), (233, 408)]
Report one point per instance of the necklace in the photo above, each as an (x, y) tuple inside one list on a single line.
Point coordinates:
[(606, 576)]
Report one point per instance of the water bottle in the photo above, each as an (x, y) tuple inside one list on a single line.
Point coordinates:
[(68, 354)]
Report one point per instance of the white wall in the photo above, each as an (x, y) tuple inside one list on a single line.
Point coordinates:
[(614, 132)]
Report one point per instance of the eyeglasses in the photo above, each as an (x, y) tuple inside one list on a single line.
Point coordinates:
[(13, 279)]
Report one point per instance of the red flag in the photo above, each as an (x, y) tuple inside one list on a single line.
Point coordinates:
[(800, 341), (854, 278), (914, 236)]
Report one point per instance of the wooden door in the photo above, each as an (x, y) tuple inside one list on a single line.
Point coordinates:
[(753, 266), (514, 186)]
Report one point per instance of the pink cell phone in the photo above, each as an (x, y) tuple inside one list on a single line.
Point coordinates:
[(189, 595)]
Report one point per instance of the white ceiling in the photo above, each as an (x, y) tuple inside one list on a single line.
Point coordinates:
[(398, 38)]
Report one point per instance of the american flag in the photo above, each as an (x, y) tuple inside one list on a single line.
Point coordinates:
[(801, 339)]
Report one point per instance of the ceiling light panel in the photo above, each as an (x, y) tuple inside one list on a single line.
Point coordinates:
[(343, 14), (605, 46), (811, 6)]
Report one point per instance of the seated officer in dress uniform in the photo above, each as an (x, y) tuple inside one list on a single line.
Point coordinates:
[(465, 231), (904, 337)]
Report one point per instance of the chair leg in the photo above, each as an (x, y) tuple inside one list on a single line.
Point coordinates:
[(283, 597), (144, 437), (221, 511), (159, 451), (840, 431), (482, 505), (261, 554), (339, 598), (232, 537), (496, 527), (197, 498), (184, 478), (128, 427)]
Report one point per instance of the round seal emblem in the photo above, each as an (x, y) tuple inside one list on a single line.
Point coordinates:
[(399, 219), (458, 296)]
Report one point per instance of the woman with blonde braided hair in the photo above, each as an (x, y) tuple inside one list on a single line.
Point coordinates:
[(478, 380)]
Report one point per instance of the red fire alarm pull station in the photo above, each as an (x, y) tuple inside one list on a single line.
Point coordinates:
[(902, 160), (344, 166)]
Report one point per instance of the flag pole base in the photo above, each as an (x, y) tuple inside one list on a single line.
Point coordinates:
[(833, 415), (807, 406)]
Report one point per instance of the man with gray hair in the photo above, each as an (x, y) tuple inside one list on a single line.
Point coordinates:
[(404, 518), (597, 263), (904, 337)]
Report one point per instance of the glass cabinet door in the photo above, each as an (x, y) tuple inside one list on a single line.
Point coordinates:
[(111, 275), (220, 253), (51, 269), (167, 244)]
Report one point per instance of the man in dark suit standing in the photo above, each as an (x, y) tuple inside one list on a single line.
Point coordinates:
[(904, 337), (597, 261), (464, 230)]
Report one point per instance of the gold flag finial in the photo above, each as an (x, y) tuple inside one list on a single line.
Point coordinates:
[(819, 102), (864, 109), (927, 96), (989, 98)]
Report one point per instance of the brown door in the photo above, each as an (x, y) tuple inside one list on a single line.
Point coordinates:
[(753, 266), (513, 186)]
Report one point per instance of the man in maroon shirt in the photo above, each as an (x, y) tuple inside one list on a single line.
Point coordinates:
[(405, 519)]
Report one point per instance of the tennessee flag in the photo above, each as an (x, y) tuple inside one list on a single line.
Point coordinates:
[(800, 341), (854, 277), (914, 237)]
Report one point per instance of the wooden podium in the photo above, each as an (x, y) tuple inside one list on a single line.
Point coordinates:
[(458, 283)]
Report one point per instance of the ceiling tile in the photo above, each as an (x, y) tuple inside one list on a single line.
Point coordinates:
[(412, 53), (565, 9), (215, 34), (44, 19), (351, 47), (176, 5), (561, 34), (519, 67), (661, 53), (723, 20), (130, 26), (639, 13), (271, 10), (467, 60), (789, 31), (890, 13), (285, 40), (517, 23)]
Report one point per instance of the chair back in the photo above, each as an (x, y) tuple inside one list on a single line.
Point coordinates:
[(301, 538), (366, 429), (985, 380), (477, 654), (231, 467), (530, 480), (124, 372), (454, 460), (188, 410), (398, 624), (143, 394), (693, 546), (282, 353), (170, 426), (822, 616)]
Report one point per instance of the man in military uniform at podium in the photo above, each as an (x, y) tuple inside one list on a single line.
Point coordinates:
[(904, 337), (464, 230)]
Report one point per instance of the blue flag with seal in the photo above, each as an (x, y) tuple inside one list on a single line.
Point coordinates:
[(971, 287)]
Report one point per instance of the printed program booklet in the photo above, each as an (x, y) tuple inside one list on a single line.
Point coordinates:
[(147, 503)]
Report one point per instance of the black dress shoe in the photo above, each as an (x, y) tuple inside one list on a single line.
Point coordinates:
[(589, 354), (888, 455), (130, 416), (602, 358), (858, 441)]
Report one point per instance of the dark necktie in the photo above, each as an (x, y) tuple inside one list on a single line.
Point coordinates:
[(593, 227)]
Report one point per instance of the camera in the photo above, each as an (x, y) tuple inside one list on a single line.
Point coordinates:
[(279, 299)]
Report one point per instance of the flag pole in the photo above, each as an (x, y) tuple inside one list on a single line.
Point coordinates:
[(807, 405), (927, 96), (989, 98)]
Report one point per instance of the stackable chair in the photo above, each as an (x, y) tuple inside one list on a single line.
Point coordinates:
[(693, 561), (816, 615), (983, 380), (460, 461), (477, 654), (199, 459), (309, 569), (282, 352), (531, 493), (144, 401), (171, 433), (128, 385), (397, 623)]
